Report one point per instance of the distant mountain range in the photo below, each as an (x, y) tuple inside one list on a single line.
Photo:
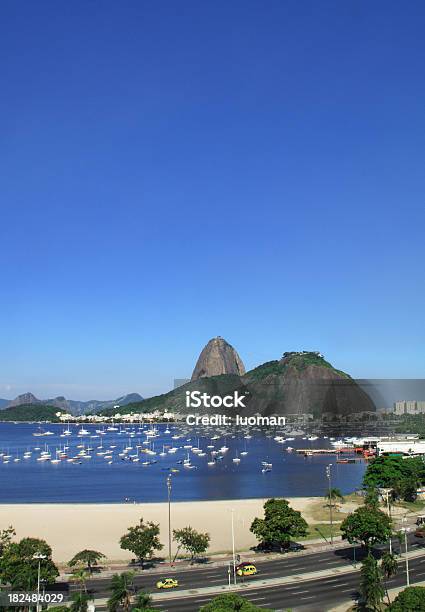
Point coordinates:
[(74, 407), (300, 382)]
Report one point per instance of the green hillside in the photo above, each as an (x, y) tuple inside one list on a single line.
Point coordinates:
[(175, 400), (302, 360), (30, 412)]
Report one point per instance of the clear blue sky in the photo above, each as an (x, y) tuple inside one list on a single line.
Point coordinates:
[(173, 171)]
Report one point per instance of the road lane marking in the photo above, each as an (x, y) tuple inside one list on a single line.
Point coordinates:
[(256, 598)]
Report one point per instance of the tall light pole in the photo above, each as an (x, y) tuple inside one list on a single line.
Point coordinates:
[(39, 556), (169, 515), (233, 547), (389, 514), (406, 530), (328, 475)]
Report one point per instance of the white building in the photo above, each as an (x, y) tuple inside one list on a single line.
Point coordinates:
[(404, 447)]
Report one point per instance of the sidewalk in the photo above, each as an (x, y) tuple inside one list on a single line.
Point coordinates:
[(217, 560)]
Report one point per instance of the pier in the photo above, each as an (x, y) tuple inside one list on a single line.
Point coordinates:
[(323, 451)]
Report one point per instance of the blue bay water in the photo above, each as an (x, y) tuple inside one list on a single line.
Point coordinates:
[(95, 480)]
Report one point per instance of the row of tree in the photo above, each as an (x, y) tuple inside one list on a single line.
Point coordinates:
[(368, 526), (143, 540)]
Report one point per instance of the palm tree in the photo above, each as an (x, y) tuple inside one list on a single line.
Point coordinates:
[(122, 591), (389, 569), (143, 603), (371, 588), (80, 576), (79, 602), (334, 494)]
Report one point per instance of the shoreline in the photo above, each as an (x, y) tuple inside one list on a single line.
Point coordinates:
[(146, 503), (71, 527)]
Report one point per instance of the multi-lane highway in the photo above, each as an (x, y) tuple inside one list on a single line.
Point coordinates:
[(304, 596), (300, 595)]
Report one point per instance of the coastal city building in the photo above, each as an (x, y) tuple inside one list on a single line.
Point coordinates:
[(409, 407), (408, 447), (131, 417)]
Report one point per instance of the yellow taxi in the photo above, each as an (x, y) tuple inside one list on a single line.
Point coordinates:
[(167, 583), (246, 569)]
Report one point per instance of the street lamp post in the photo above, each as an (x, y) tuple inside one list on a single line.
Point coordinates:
[(328, 475), (406, 530), (389, 514), (39, 556), (169, 516), (233, 546)]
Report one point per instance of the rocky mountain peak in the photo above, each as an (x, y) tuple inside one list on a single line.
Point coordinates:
[(25, 398), (218, 357)]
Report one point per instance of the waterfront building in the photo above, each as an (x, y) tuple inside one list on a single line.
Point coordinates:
[(406, 447)]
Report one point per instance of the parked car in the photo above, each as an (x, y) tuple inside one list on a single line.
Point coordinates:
[(293, 547)]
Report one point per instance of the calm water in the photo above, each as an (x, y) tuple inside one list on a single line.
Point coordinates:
[(95, 480)]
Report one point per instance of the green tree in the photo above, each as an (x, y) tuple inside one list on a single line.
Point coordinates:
[(88, 558), (279, 525), (79, 602), (142, 540), (409, 489), (389, 568), (371, 589), (6, 536), (371, 499), (411, 599), (395, 473), (368, 526), (143, 603), (19, 568), (79, 576), (229, 602), (334, 495), (192, 541), (122, 591)]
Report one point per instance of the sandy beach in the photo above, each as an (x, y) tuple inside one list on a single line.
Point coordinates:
[(69, 528)]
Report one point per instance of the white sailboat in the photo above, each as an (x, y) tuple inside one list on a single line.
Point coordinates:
[(236, 459)]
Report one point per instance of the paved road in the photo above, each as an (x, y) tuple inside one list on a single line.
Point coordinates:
[(306, 596), (218, 576)]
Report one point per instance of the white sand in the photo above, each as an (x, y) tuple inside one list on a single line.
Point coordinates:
[(68, 528)]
